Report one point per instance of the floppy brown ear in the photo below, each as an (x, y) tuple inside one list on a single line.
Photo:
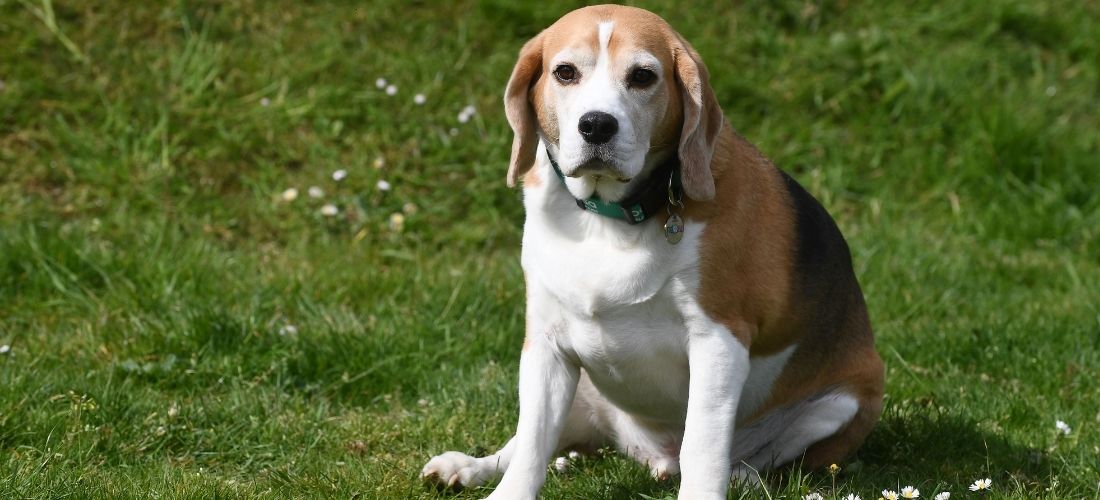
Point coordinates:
[(520, 112), (702, 122)]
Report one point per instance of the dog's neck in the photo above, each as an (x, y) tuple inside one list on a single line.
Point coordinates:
[(646, 195), (653, 190)]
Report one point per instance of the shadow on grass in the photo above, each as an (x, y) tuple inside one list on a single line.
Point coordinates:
[(914, 440), (930, 446), (911, 447)]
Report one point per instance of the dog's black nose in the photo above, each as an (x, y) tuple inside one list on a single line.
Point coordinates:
[(598, 127)]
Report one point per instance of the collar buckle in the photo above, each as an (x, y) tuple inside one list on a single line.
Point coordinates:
[(634, 213)]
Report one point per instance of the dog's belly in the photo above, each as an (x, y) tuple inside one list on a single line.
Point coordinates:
[(637, 360), (636, 356)]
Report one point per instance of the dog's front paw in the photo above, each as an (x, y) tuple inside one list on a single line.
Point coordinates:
[(500, 494), (662, 469), (688, 494), (457, 470)]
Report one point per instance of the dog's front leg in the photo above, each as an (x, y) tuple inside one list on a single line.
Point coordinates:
[(718, 365), (547, 384)]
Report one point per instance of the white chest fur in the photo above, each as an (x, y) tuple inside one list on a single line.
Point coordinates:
[(611, 294)]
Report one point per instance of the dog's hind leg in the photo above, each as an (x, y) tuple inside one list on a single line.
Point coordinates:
[(656, 450), (788, 432)]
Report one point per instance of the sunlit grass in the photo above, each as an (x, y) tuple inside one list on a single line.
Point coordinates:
[(178, 324)]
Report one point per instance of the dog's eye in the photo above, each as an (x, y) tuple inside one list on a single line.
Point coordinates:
[(565, 73), (641, 77)]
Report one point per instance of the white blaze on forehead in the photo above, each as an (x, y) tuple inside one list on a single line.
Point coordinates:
[(605, 39)]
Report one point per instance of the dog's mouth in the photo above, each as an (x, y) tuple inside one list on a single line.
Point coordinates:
[(598, 169)]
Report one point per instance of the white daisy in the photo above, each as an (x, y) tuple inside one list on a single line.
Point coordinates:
[(910, 492), (419, 99), (469, 110), (397, 221), (391, 89), (463, 117), (329, 210), (288, 330), (1062, 427), (561, 465), (290, 194), (852, 496), (380, 83), (316, 192), (981, 484), (4, 349), (943, 495), (889, 495), (383, 185), (813, 496), (339, 175)]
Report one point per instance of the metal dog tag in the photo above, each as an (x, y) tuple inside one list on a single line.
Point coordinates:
[(674, 229)]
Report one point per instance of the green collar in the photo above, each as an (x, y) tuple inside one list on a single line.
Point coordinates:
[(663, 187)]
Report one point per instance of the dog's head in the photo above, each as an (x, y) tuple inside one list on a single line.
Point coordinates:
[(613, 91)]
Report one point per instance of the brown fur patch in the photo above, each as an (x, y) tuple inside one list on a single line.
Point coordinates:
[(749, 284), (745, 251), (532, 178)]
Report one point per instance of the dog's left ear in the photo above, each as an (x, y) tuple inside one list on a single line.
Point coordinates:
[(702, 121), (520, 112)]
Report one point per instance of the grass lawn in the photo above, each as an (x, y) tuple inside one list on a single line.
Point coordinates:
[(178, 328)]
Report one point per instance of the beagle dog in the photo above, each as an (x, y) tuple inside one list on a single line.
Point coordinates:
[(687, 302)]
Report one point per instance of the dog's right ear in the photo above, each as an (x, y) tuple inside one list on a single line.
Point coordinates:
[(702, 121), (520, 111)]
